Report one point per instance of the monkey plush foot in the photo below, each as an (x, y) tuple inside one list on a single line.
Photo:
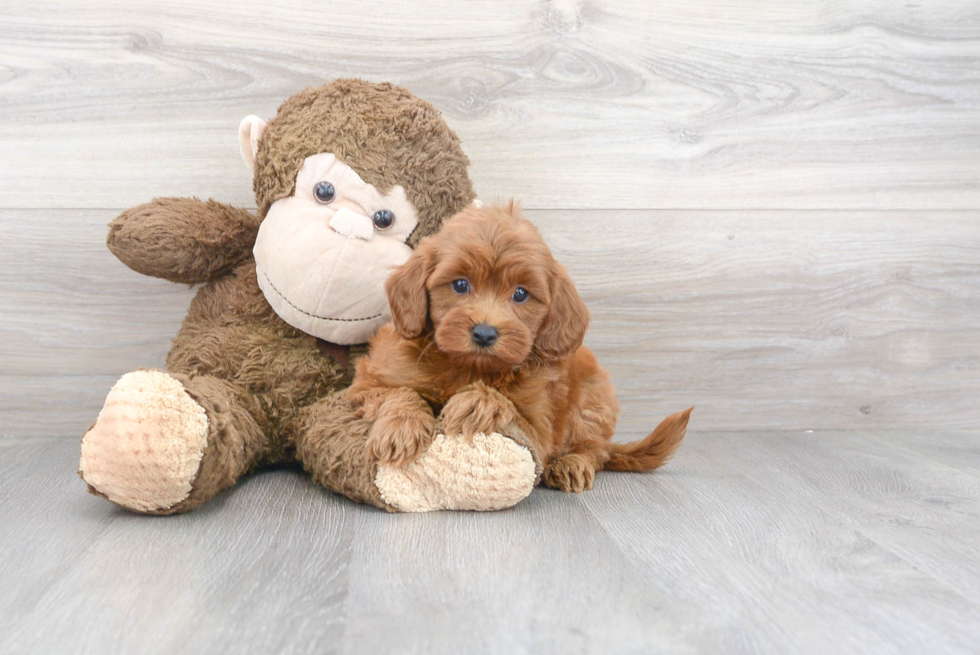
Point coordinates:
[(145, 449), (489, 472)]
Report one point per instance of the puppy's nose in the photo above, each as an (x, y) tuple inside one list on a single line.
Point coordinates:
[(484, 335), (352, 224)]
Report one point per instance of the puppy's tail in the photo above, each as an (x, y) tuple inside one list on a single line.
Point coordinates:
[(652, 452)]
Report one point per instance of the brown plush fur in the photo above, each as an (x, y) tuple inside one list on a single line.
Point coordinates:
[(331, 447), (270, 394), (183, 240), (536, 373), (404, 141)]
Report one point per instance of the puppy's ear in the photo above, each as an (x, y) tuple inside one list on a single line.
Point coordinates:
[(407, 295), (568, 318)]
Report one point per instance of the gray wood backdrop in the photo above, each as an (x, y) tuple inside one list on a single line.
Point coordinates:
[(773, 209)]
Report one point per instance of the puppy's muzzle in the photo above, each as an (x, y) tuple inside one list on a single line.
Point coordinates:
[(484, 335)]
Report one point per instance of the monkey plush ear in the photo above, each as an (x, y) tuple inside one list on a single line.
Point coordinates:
[(568, 319), (407, 295), (249, 132)]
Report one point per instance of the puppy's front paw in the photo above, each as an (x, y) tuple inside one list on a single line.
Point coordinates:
[(477, 409), (399, 438), (570, 473)]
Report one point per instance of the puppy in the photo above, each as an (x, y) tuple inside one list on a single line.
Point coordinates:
[(487, 329)]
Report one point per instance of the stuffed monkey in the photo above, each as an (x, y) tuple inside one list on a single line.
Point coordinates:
[(348, 177)]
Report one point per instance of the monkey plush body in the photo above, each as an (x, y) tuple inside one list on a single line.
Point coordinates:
[(348, 178)]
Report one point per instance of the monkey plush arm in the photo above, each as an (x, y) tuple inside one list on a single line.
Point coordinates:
[(183, 239)]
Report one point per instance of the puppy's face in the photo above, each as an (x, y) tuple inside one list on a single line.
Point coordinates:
[(491, 292)]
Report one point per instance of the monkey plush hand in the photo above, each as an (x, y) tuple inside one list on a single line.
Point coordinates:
[(348, 177)]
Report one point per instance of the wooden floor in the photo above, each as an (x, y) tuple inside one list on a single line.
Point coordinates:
[(746, 543), (771, 208)]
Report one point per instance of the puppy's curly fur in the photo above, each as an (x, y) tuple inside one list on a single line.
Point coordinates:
[(488, 328)]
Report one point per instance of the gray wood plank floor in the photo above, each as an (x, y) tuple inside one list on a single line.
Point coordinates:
[(745, 543)]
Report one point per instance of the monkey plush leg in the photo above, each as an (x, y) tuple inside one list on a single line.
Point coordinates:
[(165, 444), (482, 473), (332, 445), (486, 472)]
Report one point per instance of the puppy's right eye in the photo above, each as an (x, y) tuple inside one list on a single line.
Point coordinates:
[(324, 192), (461, 286)]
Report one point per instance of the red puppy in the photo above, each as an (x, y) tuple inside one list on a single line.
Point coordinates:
[(488, 328)]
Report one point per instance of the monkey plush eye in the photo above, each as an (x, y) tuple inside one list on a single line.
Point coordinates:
[(383, 219), (520, 296), (461, 286), (324, 192)]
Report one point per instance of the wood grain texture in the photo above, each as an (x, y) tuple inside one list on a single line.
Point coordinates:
[(567, 103), (783, 320), (845, 536), (746, 543), (106, 580)]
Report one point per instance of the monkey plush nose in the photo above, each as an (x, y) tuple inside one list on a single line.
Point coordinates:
[(352, 224), (484, 335)]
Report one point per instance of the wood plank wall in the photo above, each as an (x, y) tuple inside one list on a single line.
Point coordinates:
[(773, 209)]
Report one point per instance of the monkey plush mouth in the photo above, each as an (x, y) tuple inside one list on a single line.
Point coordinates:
[(310, 314), (326, 291), (320, 281)]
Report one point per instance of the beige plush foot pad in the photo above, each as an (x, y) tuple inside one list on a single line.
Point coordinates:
[(146, 446), (491, 472)]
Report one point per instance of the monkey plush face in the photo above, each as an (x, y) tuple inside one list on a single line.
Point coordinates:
[(312, 248), (348, 178)]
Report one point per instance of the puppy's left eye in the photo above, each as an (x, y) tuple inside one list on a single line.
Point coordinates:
[(520, 296), (461, 286)]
